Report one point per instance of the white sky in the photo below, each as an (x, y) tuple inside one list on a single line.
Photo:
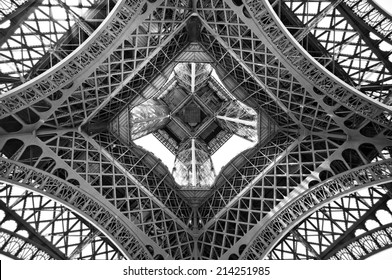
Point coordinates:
[(385, 4), (228, 151)]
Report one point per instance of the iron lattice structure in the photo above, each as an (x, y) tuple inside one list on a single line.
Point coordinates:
[(76, 75)]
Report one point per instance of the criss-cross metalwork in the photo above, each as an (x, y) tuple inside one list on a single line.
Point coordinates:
[(310, 82)]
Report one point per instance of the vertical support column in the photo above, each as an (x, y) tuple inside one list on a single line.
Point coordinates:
[(193, 77), (194, 175)]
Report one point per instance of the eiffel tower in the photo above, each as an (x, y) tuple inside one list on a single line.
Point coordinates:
[(307, 82)]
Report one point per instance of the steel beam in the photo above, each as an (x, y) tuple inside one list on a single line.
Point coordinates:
[(35, 237), (257, 178), (120, 167), (313, 199)]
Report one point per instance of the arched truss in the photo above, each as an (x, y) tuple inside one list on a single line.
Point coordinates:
[(336, 30), (145, 208), (36, 35), (293, 213), (317, 80), (114, 36), (365, 245), (18, 247), (44, 183), (50, 227), (319, 106), (377, 19), (111, 33), (339, 224)]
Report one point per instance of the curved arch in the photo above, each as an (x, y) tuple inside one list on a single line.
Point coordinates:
[(374, 16), (364, 245), (267, 235), (77, 63), (121, 233), (75, 239), (284, 45), (18, 247)]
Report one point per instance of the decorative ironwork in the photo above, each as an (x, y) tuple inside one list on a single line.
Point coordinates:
[(324, 82), (313, 199), (372, 15), (80, 61), (195, 73), (20, 247), (366, 244), (42, 181)]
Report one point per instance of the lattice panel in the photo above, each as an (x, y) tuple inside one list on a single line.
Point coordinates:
[(365, 61), (325, 226), (286, 174), (42, 36), (125, 193), (282, 87), (161, 186), (62, 228)]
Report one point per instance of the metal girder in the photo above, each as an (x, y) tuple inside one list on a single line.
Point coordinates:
[(86, 194), (156, 207), (311, 43), (35, 238), (77, 200), (325, 226), (314, 77), (136, 122), (349, 236), (294, 212), (293, 195), (238, 120), (250, 72), (261, 195), (4, 78), (120, 167), (298, 236), (67, 75), (314, 21), (261, 199), (345, 53), (361, 28), (365, 245), (256, 179), (374, 16), (16, 21), (51, 220), (377, 87), (144, 84), (42, 40), (134, 73), (87, 240), (86, 28), (19, 247), (269, 68)]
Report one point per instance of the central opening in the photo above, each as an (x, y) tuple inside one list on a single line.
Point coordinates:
[(194, 125)]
